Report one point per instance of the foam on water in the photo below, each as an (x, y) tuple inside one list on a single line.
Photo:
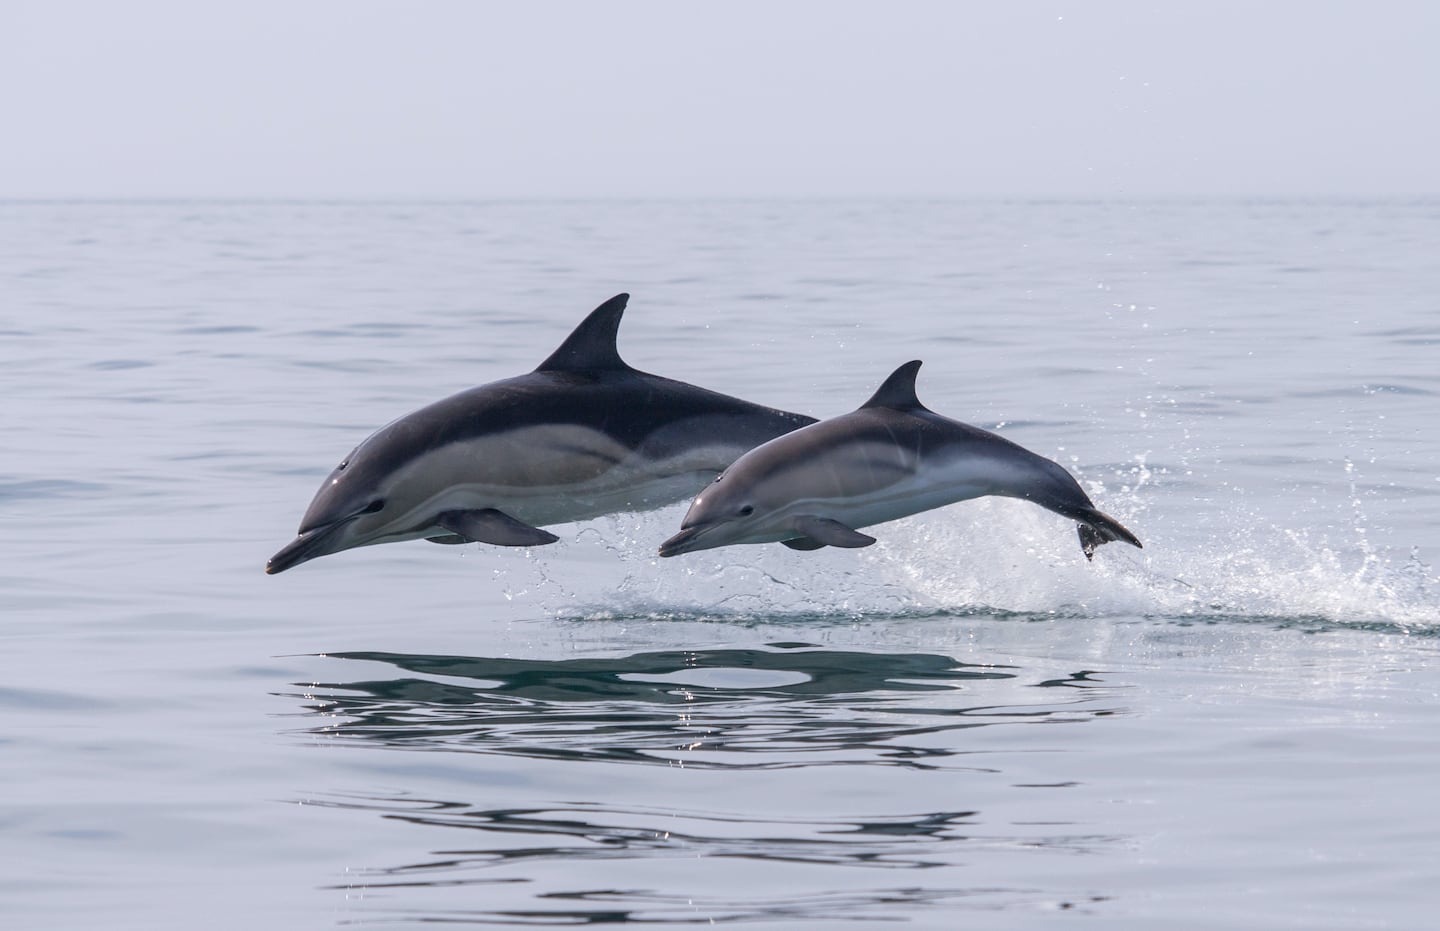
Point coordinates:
[(1004, 556)]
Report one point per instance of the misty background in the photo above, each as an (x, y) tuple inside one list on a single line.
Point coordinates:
[(167, 98)]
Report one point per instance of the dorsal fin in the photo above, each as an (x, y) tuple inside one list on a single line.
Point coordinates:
[(591, 345), (898, 392)]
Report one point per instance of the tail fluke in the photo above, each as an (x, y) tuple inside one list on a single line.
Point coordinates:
[(1096, 529)]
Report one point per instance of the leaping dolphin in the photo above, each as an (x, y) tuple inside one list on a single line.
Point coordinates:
[(581, 436), (891, 458)]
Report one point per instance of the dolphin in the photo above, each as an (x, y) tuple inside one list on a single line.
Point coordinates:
[(581, 436), (891, 458)]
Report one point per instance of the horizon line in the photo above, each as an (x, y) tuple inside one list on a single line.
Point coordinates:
[(415, 199)]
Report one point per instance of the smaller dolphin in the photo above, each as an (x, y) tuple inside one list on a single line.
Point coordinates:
[(581, 436), (891, 458)]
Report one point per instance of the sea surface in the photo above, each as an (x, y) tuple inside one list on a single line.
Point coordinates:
[(966, 725)]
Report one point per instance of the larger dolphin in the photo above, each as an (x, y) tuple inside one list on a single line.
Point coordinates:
[(891, 458), (581, 436)]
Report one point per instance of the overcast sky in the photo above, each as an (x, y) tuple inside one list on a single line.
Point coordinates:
[(440, 98)]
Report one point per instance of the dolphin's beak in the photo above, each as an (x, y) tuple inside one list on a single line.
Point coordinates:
[(307, 546), (686, 541)]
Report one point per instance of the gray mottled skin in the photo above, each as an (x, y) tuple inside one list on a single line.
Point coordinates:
[(891, 458), (581, 436)]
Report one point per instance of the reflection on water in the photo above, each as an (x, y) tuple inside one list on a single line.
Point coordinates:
[(775, 744), (787, 705)]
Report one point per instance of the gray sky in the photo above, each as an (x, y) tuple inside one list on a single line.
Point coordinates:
[(438, 98)]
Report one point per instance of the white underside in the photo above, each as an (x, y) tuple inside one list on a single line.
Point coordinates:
[(902, 500), (934, 485), (540, 476), (543, 506)]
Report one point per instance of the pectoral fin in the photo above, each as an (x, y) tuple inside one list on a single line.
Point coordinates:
[(827, 532), (803, 543), (491, 526), (449, 539)]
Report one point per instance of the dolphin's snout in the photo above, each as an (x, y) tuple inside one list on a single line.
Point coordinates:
[(682, 542), (307, 546), (278, 563), (290, 555)]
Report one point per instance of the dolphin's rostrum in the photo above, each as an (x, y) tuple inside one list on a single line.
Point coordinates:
[(581, 436), (891, 458)]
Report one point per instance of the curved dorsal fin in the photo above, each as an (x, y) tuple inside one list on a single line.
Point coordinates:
[(898, 392), (591, 345)]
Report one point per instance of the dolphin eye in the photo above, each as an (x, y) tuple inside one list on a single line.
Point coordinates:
[(373, 507), (343, 464), (747, 510)]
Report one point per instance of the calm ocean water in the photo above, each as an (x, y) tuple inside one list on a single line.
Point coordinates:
[(966, 723)]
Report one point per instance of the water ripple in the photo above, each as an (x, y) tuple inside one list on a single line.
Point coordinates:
[(33, 489), (592, 831), (511, 842)]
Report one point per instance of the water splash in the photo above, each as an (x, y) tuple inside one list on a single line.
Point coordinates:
[(1004, 556)]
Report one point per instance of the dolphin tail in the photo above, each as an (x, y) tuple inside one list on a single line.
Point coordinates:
[(1096, 528)]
